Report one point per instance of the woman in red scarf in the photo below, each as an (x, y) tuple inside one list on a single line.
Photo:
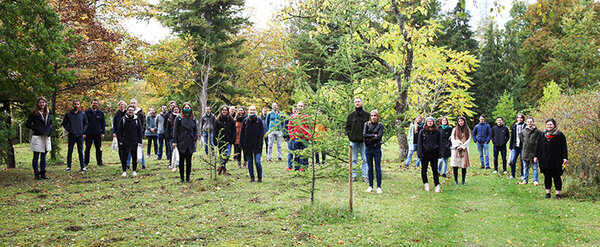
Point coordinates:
[(551, 153)]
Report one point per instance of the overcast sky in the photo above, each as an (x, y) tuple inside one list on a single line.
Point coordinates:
[(261, 11)]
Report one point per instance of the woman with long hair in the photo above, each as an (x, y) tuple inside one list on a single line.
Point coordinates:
[(129, 135), (428, 150), (445, 150), (552, 155), (372, 133), (239, 119), (224, 136), (40, 123), (169, 132), (251, 141), (185, 135), (460, 138), (413, 136)]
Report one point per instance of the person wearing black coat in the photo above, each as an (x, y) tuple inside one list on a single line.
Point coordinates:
[(515, 146), (94, 132), (185, 135), (40, 123), (129, 136), (445, 149), (372, 133), (251, 141), (500, 136), (75, 123), (552, 155), (354, 126), (428, 150), (225, 137), (176, 111), (142, 118)]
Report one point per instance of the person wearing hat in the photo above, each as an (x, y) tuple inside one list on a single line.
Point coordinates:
[(428, 150)]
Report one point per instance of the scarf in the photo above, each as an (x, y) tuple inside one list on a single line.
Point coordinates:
[(551, 134), (519, 129), (239, 118), (445, 126), (359, 111)]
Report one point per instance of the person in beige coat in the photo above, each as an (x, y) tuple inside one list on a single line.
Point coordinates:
[(460, 138)]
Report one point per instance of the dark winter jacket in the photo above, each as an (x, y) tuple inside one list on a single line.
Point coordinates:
[(117, 119), (514, 135), (445, 148), (529, 139), (251, 135), (170, 125), (551, 153), (75, 123), (141, 116), (185, 134), (429, 143), (500, 136), (225, 130), (207, 122), (38, 125), (286, 135), (416, 135), (482, 132), (96, 122), (372, 133), (355, 124), (129, 133)]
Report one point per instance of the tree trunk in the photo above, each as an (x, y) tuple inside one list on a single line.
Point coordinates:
[(54, 133), (10, 159)]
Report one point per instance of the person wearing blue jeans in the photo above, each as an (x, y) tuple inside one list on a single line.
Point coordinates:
[(446, 147), (75, 123), (291, 145), (529, 140), (413, 135), (300, 161), (482, 134), (373, 133), (354, 130), (40, 123), (251, 141), (207, 126), (516, 145)]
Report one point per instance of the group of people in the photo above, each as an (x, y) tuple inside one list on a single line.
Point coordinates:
[(177, 130), (546, 150)]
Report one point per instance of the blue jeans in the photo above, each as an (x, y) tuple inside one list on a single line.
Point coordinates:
[(299, 159), (410, 154), (143, 158), (443, 165), (71, 143), (516, 152), (205, 139), (254, 158), (484, 154), (355, 147), (42, 158), (161, 141), (291, 144), (526, 170), (374, 156)]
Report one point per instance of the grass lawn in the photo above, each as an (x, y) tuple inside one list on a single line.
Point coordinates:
[(100, 208)]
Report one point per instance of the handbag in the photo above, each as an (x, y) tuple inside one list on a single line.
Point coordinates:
[(115, 143), (175, 158), (140, 154)]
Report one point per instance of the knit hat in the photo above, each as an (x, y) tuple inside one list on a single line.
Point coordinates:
[(430, 118)]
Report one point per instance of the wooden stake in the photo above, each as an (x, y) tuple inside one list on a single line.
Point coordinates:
[(350, 177)]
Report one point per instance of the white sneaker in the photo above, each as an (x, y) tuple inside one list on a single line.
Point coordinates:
[(426, 187), (524, 182), (170, 166), (438, 189), (134, 173), (379, 191), (505, 172), (495, 172), (535, 183), (370, 189), (174, 169), (511, 177), (124, 174)]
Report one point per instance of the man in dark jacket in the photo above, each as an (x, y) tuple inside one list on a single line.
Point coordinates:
[(75, 123), (500, 136), (95, 132), (142, 118), (354, 130), (516, 146), (482, 133)]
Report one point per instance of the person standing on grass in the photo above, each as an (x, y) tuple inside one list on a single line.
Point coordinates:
[(207, 125), (445, 149), (354, 126), (129, 136), (529, 137), (151, 131), (413, 137), (515, 147), (320, 129), (169, 132), (460, 138), (251, 141), (119, 114), (299, 133), (263, 118), (185, 134), (142, 118), (94, 132), (500, 136), (551, 153), (170, 124), (373, 132), (40, 123), (291, 143), (239, 119), (482, 133), (225, 137), (275, 129), (161, 119), (75, 123), (428, 150)]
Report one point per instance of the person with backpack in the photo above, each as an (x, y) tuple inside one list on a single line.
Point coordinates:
[(552, 155), (445, 150), (151, 131), (251, 141), (185, 135), (428, 150), (529, 137), (482, 134), (94, 132), (40, 123), (129, 136), (75, 123), (373, 132), (225, 137), (500, 136)]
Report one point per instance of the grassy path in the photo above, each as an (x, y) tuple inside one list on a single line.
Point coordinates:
[(101, 208)]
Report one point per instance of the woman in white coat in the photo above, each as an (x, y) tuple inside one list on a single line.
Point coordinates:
[(460, 138), (40, 123)]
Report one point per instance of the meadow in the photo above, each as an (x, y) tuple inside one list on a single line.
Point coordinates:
[(100, 208)]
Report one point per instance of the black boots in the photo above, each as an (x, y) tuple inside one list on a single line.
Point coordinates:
[(251, 179), (43, 175), (259, 180), (37, 176)]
